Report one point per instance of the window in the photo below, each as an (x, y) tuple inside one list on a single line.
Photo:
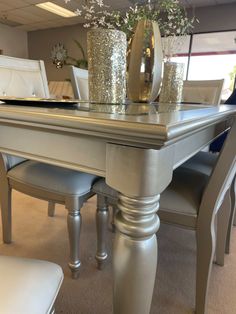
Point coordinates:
[(180, 51), (213, 56)]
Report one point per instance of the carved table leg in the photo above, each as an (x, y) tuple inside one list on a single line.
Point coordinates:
[(101, 223), (140, 175), (135, 254), (74, 227)]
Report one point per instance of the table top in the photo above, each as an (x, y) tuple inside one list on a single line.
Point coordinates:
[(149, 124)]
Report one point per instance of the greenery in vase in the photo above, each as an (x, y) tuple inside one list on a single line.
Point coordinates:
[(174, 25), (170, 15)]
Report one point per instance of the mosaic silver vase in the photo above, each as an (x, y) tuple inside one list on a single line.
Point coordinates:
[(144, 59), (107, 66), (172, 83)]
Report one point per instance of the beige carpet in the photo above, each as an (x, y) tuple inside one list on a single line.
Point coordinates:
[(38, 236)]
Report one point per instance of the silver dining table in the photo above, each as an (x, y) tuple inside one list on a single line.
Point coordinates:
[(136, 153)]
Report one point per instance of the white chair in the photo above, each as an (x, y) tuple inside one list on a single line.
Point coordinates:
[(28, 286), (79, 81), (60, 89), (24, 78), (207, 92)]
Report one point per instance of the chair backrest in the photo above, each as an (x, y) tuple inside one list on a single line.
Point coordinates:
[(79, 81), (60, 89), (221, 177), (208, 92), (22, 78)]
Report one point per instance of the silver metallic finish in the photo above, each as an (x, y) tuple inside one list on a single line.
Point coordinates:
[(145, 63), (107, 65), (81, 142), (232, 215), (101, 223), (74, 227), (5, 201), (172, 84), (140, 215), (223, 223), (103, 108), (136, 222), (149, 180), (168, 107), (135, 245)]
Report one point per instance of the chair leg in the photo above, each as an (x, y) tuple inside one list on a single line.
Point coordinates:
[(232, 218), (6, 213), (223, 218), (205, 252), (101, 223), (51, 209), (74, 227)]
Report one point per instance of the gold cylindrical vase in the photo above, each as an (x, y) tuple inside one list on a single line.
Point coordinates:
[(172, 83), (144, 62), (107, 66)]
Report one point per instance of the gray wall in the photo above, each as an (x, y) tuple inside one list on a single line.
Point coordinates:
[(13, 42), (212, 18), (41, 42)]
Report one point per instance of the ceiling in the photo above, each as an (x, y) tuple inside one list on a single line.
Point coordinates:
[(23, 14)]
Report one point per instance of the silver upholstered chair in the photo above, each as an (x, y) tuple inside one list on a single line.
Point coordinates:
[(79, 81), (192, 200), (208, 91), (205, 162), (27, 78), (28, 285)]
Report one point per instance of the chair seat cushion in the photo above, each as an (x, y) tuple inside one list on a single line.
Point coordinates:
[(52, 178), (179, 203), (28, 286)]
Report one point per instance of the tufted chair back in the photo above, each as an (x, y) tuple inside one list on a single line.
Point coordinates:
[(208, 92), (21, 78)]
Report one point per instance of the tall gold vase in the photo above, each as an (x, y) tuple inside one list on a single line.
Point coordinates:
[(144, 63)]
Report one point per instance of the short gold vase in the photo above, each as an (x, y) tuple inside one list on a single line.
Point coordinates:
[(172, 83)]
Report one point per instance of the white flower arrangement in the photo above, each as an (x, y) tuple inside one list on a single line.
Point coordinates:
[(174, 25), (170, 15)]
